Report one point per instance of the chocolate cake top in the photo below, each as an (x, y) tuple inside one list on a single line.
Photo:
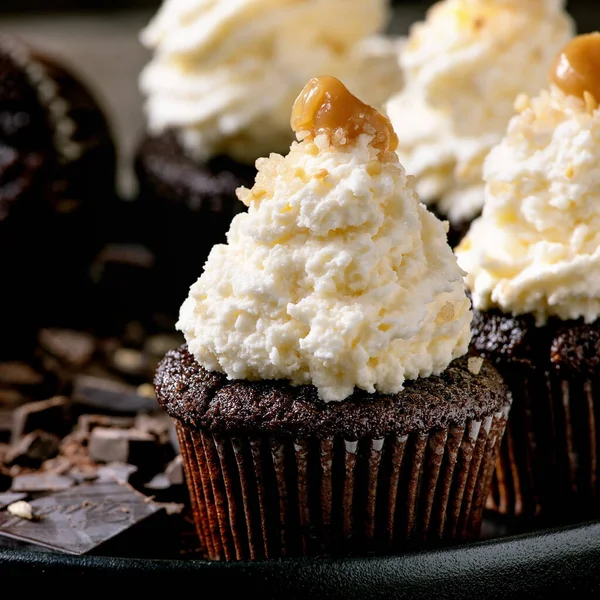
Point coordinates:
[(183, 181), (209, 401), (571, 346)]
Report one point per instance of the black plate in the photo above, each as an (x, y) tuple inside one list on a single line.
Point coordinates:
[(563, 562)]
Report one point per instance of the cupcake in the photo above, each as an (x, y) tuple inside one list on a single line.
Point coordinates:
[(464, 67), (219, 90), (323, 400), (57, 172), (533, 263)]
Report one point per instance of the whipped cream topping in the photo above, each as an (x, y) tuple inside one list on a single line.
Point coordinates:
[(464, 66), (337, 275), (225, 73), (536, 248)]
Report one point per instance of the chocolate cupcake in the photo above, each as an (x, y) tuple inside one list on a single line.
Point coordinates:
[(323, 401), (464, 67), (57, 170), (219, 93), (533, 263)]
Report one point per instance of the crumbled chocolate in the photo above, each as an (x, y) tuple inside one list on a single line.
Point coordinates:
[(33, 449), (74, 349), (50, 415), (20, 375)]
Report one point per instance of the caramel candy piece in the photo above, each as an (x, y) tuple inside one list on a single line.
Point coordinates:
[(576, 69), (326, 106)]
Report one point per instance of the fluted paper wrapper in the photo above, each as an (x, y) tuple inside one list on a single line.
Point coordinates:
[(548, 464), (272, 497)]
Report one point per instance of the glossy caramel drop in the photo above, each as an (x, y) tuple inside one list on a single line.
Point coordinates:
[(577, 67), (326, 106)]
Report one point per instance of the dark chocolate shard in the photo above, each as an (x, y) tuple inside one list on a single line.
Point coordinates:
[(173, 438), (133, 363), (174, 471), (86, 423), (119, 445), (81, 519), (158, 482), (173, 508), (59, 465), (83, 475), (26, 381), (158, 345), (72, 348), (41, 482), (116, 471), (156, 424), (8, 498), (112, 396), (49, 415), (133, 255), (6, 422), (33, 449), (169, 485), (134, 334), (19, 374), (11, 398)]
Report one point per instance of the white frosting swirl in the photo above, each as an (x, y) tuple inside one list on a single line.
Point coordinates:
[(536, 248), (464, 67), (225, 73), (337, 276)]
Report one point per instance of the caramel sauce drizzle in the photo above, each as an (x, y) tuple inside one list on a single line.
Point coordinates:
[(326, 106), (576, 69)]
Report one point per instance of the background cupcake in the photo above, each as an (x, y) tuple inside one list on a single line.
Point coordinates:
[(533, 263), (464, 67), (219, 93), (318, 401), (57, 177)]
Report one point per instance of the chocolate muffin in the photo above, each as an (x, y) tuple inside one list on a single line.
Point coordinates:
[(57, 170), (464, 66), (275, 471), (533, 273), (321, 402), (549, 455), (188, 207), (219, 92)]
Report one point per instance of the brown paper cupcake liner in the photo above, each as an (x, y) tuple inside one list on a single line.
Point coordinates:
[(548, 463), (271, 497)]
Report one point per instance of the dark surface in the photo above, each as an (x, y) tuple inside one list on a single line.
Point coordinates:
[(192, 394), (562, 563)]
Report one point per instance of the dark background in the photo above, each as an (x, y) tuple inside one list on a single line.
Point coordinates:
[(98, 40), (586, 12)]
